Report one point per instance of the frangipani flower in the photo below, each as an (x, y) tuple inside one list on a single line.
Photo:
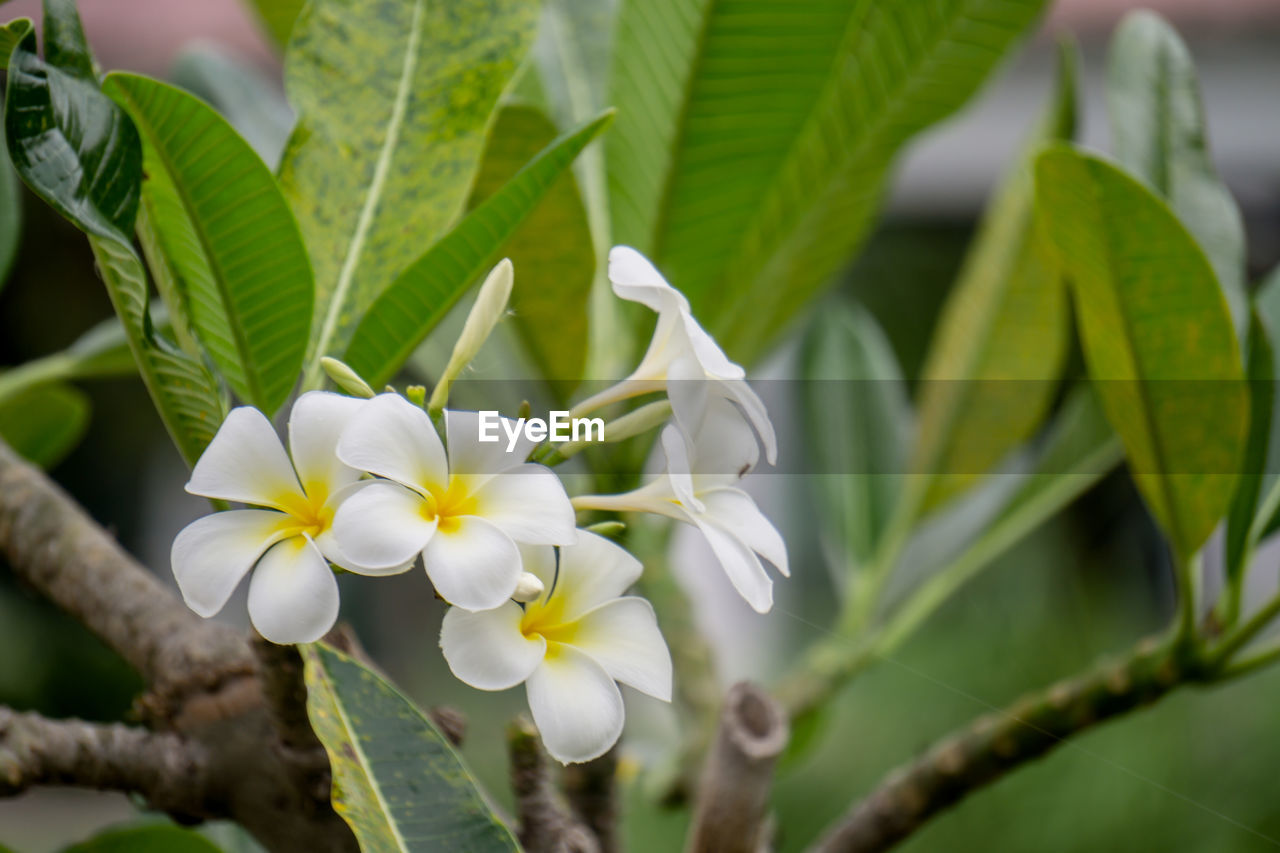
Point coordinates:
[(464, 511), (568, 647), (293, 596), (699, 490), (682, 357)]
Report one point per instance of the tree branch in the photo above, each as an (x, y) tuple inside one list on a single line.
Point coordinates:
[(999, 742), (590, 790), (56, 548), (545, 825), (733, 797), (170, 771)]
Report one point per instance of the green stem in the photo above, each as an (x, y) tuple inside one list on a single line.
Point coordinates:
[(1186, 572), (41, 371), (1221, 655)]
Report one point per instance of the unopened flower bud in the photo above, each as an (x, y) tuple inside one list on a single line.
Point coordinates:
[(346, 378), (529, 588)]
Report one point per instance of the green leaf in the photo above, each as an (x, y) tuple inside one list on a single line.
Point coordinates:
[(74, 147), (185, 393), (1159, 133), (1267, 313), (1157, 337), (403, 315), (78, 151), (278, 16), (230, 235), (10, 213), (396, 780), (45, 423), (154, 838), (754, 139), (1260, 367), (393, 100), (1001, 342), (10, 34), (552, 251), (850, 377)]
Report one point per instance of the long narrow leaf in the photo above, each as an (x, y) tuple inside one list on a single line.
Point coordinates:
[(754, 138), (230, 235), (404, 314), (1001, 341)]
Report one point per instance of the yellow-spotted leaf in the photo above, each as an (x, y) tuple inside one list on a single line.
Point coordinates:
[(393, 99), (1157, 336), (396, 780), (421, 296)]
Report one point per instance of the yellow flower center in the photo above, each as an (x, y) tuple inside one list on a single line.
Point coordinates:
[(306, 514), (547, 618), (446, 507)]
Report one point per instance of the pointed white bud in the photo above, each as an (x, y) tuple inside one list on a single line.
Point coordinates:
[(346, 378), (490, 304)]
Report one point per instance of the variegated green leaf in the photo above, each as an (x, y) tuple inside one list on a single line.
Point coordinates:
[(396, 780), (393, 100)]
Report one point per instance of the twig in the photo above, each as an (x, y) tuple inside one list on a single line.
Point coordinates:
[(56, 548), (733, 797), (590, 790), (168, 770), (980, 754), (545, 825)]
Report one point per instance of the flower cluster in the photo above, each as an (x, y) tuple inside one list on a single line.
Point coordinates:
[(368, 486)]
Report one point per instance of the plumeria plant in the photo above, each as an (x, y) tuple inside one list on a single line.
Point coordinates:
[(658, 191)]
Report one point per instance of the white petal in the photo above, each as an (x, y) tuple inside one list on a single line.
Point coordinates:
[(679, 467), (725, 449), (293, 595), (622, 636), (529, 504), (393, 438), (734, 511), (316, 423), (575, 704), (688, 389), (472, 563), (741, 564), (708, 352), (592, 571), (245, 462), (757, 414), (213, 553), (636, 280), (478, 460), (487, 649), (540, 561), (382, 527)]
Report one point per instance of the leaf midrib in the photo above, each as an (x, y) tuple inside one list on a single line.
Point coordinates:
[(867, 133), (251, 376), (353, 738), (373, 198)]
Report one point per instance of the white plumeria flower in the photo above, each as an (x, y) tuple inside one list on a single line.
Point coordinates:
[(698, 489), (568, 647), (682, 357), (464, 511), (293, 595)]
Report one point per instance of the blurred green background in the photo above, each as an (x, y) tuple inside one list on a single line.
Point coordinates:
[(1193, 774)]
